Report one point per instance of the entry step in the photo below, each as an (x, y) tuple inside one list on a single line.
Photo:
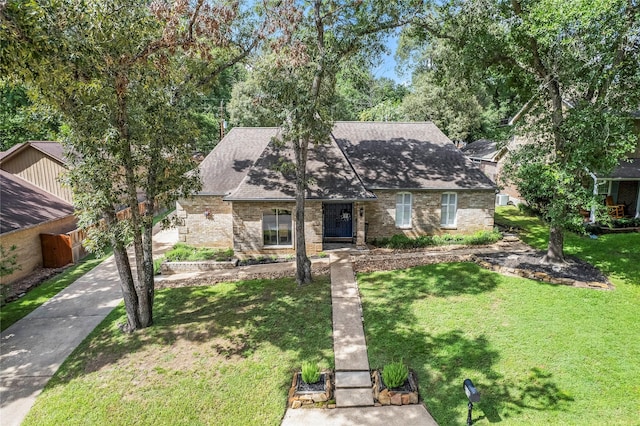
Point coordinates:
[(354, 397), (353, 379)]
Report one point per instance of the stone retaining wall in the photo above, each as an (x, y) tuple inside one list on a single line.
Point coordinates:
[(168, 268)]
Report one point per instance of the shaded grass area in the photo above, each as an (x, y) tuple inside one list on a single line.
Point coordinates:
[(538, 353), (18, 309), (617, 255), (221, 355)]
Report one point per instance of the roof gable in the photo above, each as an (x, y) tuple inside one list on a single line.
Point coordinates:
[(54, 150), (24, 205), (483, 149), (229, 162), (330, 176)]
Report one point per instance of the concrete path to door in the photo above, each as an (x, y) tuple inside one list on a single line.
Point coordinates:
[(33, 348), (353, 387)]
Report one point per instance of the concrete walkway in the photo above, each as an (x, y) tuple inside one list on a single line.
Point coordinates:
[(353, 388), (33, 348)]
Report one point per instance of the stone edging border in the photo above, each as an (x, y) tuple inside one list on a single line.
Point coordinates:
[(365, 263)]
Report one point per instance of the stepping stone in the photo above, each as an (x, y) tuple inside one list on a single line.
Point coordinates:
[(353, 379), (354, 397)]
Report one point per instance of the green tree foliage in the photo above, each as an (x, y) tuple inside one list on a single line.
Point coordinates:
[(123, 76), (21, 120), (452, 105), (576, 63)]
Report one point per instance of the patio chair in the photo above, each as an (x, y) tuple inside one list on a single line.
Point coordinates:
[(616, 211)]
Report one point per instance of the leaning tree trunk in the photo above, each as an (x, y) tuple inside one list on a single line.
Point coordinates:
[(127, 285), (303, 264)]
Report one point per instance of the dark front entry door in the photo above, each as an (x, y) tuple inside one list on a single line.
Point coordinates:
[(338, 220)]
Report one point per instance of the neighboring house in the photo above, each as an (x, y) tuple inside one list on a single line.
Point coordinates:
[(491, 160), (369, 180), (26, 211), (621, 187), (40, 163)]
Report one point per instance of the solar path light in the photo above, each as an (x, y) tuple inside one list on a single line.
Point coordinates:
[(473, 395)]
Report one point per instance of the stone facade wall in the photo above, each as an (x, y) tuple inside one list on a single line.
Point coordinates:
[(200, 229), (247, 227), (474, 213), (28, 246)]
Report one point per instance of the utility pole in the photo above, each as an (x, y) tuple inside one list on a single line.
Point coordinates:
[(221, 119)]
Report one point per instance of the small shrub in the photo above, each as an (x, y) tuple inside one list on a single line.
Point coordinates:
[(310, 372), (322, 255), (183, 252), (395, 374), (401, 241), (156, 265)]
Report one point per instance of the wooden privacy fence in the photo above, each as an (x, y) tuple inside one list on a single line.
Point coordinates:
[(61, 249)]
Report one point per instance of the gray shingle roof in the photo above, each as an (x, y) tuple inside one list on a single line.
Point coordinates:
[(482, 149), (627, 169), (331, 176), (407, 156), (230, 161), (23, 205), (359, 157)]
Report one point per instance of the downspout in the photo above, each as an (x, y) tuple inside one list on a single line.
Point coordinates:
[(592, 215)]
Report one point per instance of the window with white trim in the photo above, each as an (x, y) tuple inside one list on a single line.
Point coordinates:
[(276, 227), (403, 210), (448, 209)]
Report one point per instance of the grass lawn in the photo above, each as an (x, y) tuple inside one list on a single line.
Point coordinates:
[(18, 309), (538, 353), (221, 355)]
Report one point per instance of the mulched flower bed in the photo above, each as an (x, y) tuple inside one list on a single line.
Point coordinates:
[(574, 271)]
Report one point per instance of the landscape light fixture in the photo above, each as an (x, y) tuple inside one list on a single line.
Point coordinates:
[(473, 395), (361, 211)]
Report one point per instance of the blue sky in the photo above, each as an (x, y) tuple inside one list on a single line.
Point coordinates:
[(387, 67)]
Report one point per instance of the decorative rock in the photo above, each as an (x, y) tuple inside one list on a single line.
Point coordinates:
[(384, 398), (413, 398), (331, 406), (396, 398), (296, 404), (405, 398)]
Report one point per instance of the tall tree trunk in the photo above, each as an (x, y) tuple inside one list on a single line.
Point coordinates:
[(141, 285), (303, 264), (127, 285), (148, 288)]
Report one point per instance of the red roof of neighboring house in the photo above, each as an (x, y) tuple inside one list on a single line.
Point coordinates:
[(23, 205)]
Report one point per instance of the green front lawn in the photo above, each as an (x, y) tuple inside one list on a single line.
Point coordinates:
[(221, 355), (538, 353)]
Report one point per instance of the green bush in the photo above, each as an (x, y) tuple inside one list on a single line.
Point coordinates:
[(156, 265), (183, 252), (310, 372), (402, 242), (395, 374)]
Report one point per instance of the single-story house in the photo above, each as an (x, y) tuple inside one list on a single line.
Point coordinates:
[(369, 180)]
